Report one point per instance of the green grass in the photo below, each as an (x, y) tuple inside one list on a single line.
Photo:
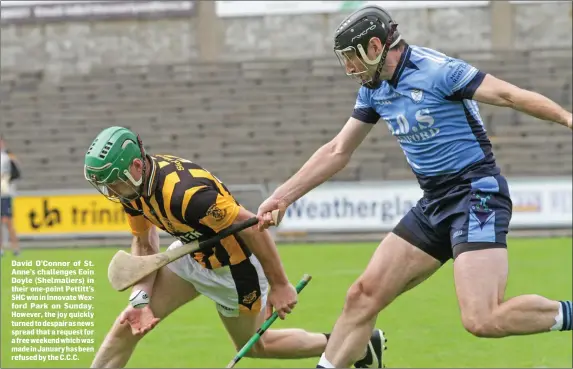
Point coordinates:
[(423, 326)]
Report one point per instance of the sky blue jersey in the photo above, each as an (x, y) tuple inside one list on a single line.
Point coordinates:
[(428, 107)]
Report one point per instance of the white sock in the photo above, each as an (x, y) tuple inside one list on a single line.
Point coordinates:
[(324, 362), (558, 320)]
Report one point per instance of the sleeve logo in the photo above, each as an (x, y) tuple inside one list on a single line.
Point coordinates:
[(216, 213), (458, 72)]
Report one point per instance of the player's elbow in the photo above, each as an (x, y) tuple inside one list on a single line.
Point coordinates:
[(146, 243), (512, 96), (497, 92), (337, 151), (249, 234), (141, 247), (503, 95)]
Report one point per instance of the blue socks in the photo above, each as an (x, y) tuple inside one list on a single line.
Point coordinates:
[(564, 319)]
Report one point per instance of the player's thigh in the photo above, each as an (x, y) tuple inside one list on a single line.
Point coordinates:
[(240, 294), (7, 221), (396, 266), (480, 278), (242, 327), (479, 239), (9, 224), (410, 254), (424, 233), (237, 288), (170, 292)]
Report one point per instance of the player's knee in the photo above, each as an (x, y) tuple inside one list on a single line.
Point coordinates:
[(362, 297), (257, 351), (483, 325)]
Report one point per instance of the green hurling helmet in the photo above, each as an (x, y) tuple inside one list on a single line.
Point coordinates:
[(108, 160)]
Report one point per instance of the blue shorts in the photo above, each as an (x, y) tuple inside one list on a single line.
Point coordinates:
[(476, 213), (6, 207)]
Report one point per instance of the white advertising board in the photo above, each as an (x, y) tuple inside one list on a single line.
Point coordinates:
[(259, 8), (375, 207)]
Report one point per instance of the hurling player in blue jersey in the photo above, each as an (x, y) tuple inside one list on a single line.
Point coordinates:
[(428, 101)]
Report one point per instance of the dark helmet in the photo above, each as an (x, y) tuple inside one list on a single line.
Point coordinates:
[(355, 31)]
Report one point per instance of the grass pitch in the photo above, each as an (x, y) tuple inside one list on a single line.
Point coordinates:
[(423, 326)]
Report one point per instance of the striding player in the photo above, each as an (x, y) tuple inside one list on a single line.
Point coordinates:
[(428, 102), (186, 201)]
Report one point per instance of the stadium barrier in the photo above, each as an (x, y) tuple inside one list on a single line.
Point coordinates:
[(378, 206), (333, 208), (86, 214), (45, 215)]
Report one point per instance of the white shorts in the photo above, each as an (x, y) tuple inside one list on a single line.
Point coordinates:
[(241, 288)]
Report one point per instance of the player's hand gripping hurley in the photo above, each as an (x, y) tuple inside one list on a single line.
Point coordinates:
[(301, 284), (125, 270)]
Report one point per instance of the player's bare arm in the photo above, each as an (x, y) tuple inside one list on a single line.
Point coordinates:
[(283, 296), (145, 243), (142, 320), (328, 160), (495, 91)]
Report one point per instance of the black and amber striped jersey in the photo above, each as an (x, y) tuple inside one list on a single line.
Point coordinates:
[(189, 203)]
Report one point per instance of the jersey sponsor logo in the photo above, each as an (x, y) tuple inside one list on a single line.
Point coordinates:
[(360, 105), (421, 130), (382, 102), (189, 236), (388, 100)]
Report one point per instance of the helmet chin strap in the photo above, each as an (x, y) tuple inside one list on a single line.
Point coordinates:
[(375, 82), (132, 180), (143, 168)]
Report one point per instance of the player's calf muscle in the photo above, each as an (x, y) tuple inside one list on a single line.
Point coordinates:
[(288, 344), (521, 315)]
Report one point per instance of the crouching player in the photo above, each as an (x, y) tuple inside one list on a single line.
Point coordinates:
[(240, 274)]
